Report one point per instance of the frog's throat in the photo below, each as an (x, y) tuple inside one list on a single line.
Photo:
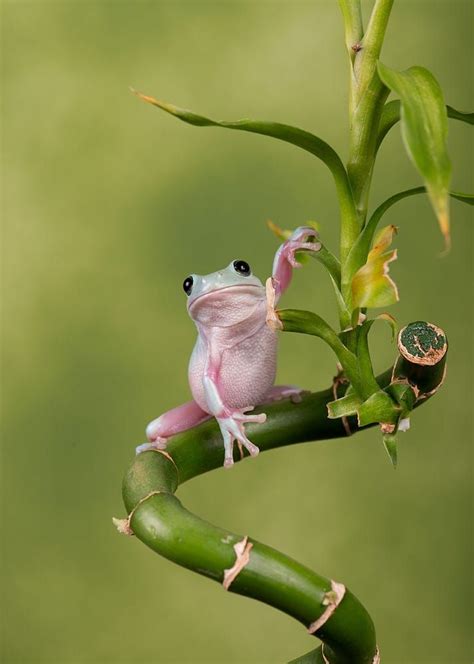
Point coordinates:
[(238, 287)]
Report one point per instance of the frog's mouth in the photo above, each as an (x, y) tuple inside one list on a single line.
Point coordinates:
[(215, 294)]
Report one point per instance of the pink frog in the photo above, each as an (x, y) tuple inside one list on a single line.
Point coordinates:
[(233, 364)]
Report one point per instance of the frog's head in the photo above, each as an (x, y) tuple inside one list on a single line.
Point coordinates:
[(223, 298)]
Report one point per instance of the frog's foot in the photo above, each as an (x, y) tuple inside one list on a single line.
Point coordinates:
[(279, 392), (157, 444), (232, 427), (300, 239)]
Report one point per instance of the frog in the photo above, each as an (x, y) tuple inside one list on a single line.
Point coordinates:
[(233, 364)]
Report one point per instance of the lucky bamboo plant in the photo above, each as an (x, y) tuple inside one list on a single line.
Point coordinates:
[(357, 398)]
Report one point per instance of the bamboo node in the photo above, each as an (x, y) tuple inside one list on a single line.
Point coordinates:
[(340, 379), (140, 502), (331, 601), (242, 551), (167, 455)]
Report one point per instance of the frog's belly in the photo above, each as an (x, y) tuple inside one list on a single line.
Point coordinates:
[(246, 374)]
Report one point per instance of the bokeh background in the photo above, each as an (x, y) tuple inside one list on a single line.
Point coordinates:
[(108, 205)]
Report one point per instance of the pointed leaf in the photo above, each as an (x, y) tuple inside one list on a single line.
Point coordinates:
[(464, 198), (302, 139), (390, 444), (371, 285), (424, 130)]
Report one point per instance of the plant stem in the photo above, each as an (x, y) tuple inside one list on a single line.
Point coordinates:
[(367, 98), (353, 27)]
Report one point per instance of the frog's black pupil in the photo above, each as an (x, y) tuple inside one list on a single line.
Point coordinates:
[(242, 268), (188, 285)]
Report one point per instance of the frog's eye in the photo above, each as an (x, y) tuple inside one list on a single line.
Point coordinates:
[(243, 268), (188, 285)]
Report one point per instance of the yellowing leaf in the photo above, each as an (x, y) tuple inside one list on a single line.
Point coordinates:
[(371, 285), (281, 233), (424, 122)]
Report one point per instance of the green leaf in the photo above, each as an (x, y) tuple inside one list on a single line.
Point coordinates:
[(371, 285), (366, 371), (403, 394), (390, 444), (464, 198), (460, 115), (391, 115), (346, 405), (378, 408), (302, 139), (424, 130)]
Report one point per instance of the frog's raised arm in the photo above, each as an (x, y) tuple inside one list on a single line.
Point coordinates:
[(285, 261)]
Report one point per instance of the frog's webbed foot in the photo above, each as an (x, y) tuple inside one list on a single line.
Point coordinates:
[(303, 238), (278, 392), (232, 427), (300, 239), (157, 444)]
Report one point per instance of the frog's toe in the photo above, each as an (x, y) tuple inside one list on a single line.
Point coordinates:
[(143, 448), (158, 444), (242, 417), (253, 450)]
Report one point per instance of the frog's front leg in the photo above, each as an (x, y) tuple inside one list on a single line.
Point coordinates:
[(285, 260), (231, 421), (174, 421)]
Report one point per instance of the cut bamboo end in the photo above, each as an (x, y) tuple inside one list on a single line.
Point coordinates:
[(422, 343), (422, 361)]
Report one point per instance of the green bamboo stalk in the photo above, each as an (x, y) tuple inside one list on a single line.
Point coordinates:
[(366, 103), (159, 519), (353, 26)]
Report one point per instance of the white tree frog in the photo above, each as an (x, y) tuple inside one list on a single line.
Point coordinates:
[(233, 364)]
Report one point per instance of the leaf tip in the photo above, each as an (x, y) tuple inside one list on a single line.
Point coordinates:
[(151, 100), (443, 220)]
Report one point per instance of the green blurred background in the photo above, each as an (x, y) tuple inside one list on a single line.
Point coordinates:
[(108, 205)]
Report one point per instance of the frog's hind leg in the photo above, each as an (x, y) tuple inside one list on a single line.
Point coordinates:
[(174, 421), (279, 392)]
